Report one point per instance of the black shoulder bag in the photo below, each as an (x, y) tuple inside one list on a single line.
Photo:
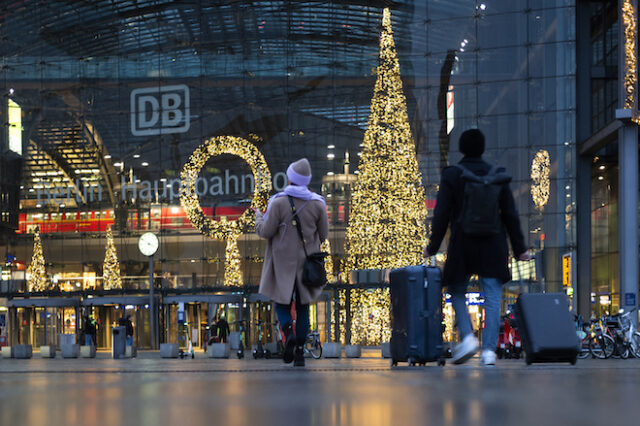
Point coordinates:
[(313, 272)]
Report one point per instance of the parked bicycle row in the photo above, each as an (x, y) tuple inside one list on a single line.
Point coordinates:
[(613, 336)]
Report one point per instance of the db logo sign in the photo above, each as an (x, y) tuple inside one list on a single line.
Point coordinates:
[(160, 110)]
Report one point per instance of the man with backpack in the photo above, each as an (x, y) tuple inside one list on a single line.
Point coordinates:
[(475, 199)]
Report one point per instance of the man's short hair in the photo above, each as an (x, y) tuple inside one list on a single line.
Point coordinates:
[(471, 143)]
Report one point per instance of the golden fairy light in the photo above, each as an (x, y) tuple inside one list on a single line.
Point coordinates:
[(540, 170), (388, 212), (36, 273), (111, 267), (232, 271), (328, 264), (224, 229), (629, 22)]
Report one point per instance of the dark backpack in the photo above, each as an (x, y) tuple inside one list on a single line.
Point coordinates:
[(480, 215)]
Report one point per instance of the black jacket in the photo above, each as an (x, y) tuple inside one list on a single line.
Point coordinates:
[(485, 256)]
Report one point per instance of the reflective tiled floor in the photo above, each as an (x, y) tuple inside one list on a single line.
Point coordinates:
[(151, 391)]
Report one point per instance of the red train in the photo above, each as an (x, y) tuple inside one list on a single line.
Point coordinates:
[(98, 220)]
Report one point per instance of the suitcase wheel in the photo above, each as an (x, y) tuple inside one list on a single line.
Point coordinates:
[(573, 360), (442, 362), (527, 359), (394, 363)]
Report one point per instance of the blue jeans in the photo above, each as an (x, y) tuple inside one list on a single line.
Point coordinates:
[(129, 340), (88, 340), (492, 289), (302, 319)]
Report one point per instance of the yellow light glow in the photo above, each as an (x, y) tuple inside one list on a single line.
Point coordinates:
[(388, 212), (232, 271), (540, 171), (630, 58), (328, 264)]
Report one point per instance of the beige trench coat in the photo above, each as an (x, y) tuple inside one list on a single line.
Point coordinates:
[(284, 258)]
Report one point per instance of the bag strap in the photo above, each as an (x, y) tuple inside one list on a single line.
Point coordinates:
[(490, 176), (296, 222)]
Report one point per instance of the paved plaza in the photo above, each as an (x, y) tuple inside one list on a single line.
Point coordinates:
[(366, 391)]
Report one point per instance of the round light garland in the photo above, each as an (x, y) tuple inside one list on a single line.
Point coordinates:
[(225, 229), (540, 179)]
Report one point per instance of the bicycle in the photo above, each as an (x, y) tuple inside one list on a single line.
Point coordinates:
[(584, 334), (312, 346), (630, 334), (601, 345), (612, 328)]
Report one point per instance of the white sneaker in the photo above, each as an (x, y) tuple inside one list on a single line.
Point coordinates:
[(465, 349), (488, 357)]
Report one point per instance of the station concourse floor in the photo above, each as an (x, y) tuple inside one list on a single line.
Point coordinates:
[(230, 392)]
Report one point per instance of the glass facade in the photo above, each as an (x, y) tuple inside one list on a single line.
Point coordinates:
[(112, 98)]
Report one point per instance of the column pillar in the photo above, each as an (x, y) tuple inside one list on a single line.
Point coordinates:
[(628, 215), (628, 154), (582, 293)]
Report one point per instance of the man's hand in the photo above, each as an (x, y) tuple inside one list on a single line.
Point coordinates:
[(525, 256)]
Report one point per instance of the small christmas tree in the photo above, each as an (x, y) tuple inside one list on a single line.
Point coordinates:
[(111, 267), (232, 271), (36, 274)]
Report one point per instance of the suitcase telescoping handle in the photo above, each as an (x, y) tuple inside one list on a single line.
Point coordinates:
[(429, 261), (518, 265)]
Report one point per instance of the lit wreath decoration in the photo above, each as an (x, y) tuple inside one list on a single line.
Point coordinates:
[(540, 179), (225, 229)]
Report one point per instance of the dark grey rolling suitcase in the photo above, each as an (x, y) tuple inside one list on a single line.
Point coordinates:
[(546, 328), (416, 315)]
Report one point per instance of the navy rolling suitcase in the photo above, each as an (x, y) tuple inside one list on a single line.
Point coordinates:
[(546, 327), (416, 315)]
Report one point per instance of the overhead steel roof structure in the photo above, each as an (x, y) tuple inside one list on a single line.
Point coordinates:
[(268, 68)]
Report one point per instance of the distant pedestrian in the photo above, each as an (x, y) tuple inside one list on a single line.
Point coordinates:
[(129, 330), (281, 278), (222, 329), (128, 326), (213, 332), (475, 200), (90, 331)]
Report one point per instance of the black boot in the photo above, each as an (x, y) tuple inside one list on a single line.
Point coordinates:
[(298, 360), (289, 343)]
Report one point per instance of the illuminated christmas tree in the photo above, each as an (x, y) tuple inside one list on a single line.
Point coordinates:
[(232, 271), (36, 274), (111, 268), (388, 212)]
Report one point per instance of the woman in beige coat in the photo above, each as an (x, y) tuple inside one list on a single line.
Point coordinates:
[(281, 278)]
